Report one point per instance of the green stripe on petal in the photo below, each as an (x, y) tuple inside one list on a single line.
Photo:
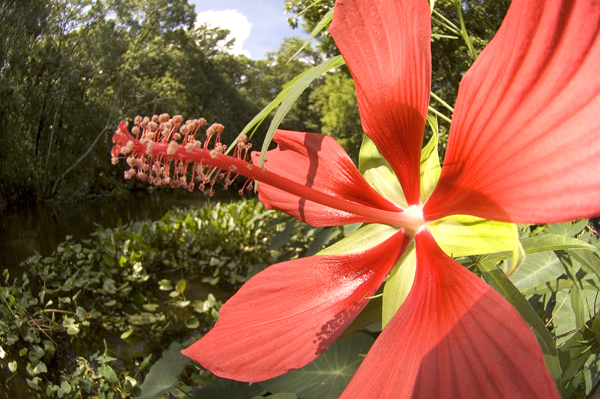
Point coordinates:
[(463, 235), (398, 284)]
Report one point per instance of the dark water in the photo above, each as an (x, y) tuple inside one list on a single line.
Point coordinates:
[(30, 227)]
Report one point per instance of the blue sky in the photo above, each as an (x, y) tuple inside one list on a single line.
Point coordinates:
[(258, 25)]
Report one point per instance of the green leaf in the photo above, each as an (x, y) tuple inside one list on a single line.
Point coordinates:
[(569, 229), (165, 285), (573, 356), (164, 374), (318, 28), (362, 239), (108, 373), (430, 162), (329, 374), (587, 258), (127, 333), (180, 287), (229, 389), (538, 268), (541, 243), (378, 173), (462, 235), (192, 323), (505, 287), (398, 285), (369, 315), (287, 97)]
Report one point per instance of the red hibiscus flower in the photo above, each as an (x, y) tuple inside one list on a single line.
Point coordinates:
[(523, 148)]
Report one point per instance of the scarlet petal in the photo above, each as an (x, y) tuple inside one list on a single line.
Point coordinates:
[(525, 137), (386, 45), (284, 317), (454, 337), (319, 162)]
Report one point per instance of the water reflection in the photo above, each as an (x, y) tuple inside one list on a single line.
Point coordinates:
[(26, 228)]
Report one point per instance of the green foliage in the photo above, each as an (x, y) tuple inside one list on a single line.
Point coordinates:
[(89, 319), (556, 292)]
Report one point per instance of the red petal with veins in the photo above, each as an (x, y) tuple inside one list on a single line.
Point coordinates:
[(525, 137), (319, 162), (287, 315), (386, 45), (454, 337)]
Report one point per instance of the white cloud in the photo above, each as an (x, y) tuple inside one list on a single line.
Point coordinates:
[(232, 20)]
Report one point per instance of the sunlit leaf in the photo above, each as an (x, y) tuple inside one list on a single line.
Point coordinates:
[(324, 22), (541, 243), (362, 239), (538, 268), (462, 235), (430, 162), (378, 173), (398, 285), (288, 97)]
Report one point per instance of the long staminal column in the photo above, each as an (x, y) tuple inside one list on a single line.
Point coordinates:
[(209, 164)]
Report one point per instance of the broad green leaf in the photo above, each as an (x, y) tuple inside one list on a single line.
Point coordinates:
[(378, 173), (587, 258), (430, 162), (329, 374), (229, 389), (541, 243), (569, 229), (505, 287), (108, 373), (568, 318), (318, 28), (538, 268), (576, 297), (555, 286), (398, 285), (462, 235), (164, 374), (362, 239), (289, 95)]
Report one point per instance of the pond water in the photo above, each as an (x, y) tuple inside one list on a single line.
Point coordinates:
[(27, 228)]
